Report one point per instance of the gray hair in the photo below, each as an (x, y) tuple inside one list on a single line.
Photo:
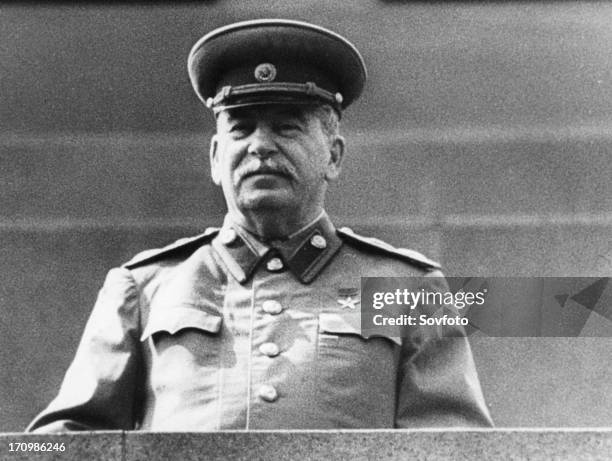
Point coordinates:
[(330, 120)]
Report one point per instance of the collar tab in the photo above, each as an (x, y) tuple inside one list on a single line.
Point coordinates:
[(314, 252), (305, 253)]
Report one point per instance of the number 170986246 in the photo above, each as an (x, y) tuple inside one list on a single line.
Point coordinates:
[(37, 446)]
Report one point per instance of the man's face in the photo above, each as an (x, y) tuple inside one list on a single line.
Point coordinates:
[(274, 157)]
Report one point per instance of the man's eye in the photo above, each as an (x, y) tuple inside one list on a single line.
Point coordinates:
[(239, 129), (288, 127)]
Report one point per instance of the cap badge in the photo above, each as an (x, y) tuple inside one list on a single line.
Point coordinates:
[(265, 72)]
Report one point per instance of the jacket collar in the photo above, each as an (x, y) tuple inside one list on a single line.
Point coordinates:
[(304, 253)]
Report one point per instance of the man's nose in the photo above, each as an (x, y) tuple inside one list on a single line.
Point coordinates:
[(262, 142)]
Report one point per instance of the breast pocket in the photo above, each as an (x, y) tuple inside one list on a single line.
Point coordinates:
[(185, 345), (340, 337), (173, 320), (356, 374)]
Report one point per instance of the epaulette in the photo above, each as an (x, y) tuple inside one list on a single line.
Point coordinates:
[(413, 257), (184, 245)]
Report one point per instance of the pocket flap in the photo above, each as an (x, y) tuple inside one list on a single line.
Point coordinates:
[(330, 322), (350, 323), (175, 319)]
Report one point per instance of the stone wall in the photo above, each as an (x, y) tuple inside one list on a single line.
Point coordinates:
[(322, 445)]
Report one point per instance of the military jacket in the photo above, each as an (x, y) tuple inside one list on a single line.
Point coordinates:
[(222, 331)]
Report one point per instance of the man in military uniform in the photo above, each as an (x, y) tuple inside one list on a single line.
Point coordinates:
[(251, 326)]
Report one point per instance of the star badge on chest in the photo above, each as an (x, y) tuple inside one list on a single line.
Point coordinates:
[(348, 297), (348, 302)]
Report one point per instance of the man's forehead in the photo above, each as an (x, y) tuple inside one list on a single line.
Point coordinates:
[(266, 111)]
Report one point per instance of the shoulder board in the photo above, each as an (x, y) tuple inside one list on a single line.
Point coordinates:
[(413, 257), (189, 244)]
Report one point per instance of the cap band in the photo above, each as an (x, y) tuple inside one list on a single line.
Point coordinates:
[(255, 93)]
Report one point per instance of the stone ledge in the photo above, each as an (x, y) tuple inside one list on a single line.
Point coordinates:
[(507, 444)]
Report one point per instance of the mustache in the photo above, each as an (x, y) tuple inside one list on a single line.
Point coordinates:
[(254, 167)]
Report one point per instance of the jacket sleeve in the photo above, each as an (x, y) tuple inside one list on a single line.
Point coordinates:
[(99, 390), (438, 385)]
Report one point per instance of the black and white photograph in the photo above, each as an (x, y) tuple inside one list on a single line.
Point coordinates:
[(375, 229)]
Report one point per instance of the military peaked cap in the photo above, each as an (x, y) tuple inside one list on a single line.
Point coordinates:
[(275, 61)]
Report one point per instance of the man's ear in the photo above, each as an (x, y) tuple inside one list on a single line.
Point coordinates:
[(215, 166), (336, 151)]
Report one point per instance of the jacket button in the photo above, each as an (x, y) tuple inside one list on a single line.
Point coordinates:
[(269, 349), (267, 393), (272, 307), (274, 264), (228, 235)]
